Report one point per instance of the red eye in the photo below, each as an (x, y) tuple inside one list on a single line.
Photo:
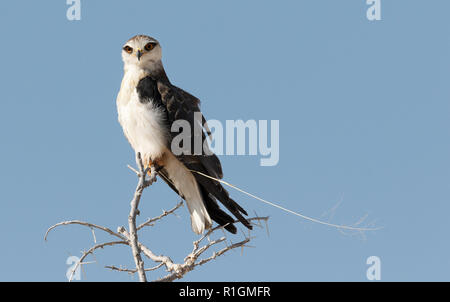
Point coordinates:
[(149, 46), (128, 49)]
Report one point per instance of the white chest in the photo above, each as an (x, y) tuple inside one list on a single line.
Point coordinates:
[(143, 124)]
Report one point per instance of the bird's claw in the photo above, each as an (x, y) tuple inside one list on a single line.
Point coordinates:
[(151, 179), (151, 176)]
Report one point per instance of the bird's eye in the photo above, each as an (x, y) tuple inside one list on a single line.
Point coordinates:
[(149, 46), (128, 49)]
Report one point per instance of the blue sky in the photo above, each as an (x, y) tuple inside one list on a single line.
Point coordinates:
[(364, 122)]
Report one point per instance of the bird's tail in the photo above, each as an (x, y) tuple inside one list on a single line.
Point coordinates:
[(213, 190), (182, 180)]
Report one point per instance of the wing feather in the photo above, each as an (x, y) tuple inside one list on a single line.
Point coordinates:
[(181, 105)]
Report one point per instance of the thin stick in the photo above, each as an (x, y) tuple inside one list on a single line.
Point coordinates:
[(91, 225), (164, 214), (132, 222), (132, 271), (341, 227), (90, 251)]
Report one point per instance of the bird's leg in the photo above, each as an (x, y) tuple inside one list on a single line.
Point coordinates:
[(152, 171), (147, 167)]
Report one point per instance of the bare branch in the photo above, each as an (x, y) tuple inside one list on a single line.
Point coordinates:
[(223, 251), (165, 213), (133, 238), (212, 230), (90, 225), (190, 263), (90, 251), (130, 238), (177, 271), (132, 271), (134, 170), (190, 260), (147, 252)]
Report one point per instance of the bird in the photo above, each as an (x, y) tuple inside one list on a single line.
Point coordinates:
[(148, 104)]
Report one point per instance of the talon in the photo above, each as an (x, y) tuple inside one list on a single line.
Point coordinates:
[(150, 163), (151, 175), (152, 178), (152, 171), (154, 166)]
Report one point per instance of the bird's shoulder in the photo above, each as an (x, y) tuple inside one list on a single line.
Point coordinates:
[(179, 103), (147, 90), (171, 93)]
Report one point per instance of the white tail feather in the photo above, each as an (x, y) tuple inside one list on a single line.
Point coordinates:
[(187, 186)]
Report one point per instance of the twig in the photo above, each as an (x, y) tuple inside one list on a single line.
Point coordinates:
[(132, 271), (190, 263), (212, 230), (90, 251), (224, 250), (149, 254), (164, 214), (90, 225), (177, 271)]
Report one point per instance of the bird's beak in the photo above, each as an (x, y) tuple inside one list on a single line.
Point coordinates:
[(139, 54)]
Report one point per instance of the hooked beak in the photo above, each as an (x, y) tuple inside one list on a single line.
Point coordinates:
[(139, 54)]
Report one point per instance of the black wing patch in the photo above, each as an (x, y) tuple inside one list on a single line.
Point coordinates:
[(147, 90)]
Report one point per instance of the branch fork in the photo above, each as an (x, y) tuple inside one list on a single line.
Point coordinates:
[(147, 176)]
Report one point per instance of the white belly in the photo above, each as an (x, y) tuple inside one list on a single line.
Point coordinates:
[(144, 127)]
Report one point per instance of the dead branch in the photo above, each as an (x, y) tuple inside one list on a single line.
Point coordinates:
[(133, 237), (130, 237), (150, 221), (90, 251), (90, 225), (132, 271)]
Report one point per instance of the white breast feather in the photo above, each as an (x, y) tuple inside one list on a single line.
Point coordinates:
[(143, 124)]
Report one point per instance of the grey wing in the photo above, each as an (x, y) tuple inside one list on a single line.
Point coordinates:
[(181, 105)]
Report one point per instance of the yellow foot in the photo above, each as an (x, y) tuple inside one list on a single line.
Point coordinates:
[(150, 164)]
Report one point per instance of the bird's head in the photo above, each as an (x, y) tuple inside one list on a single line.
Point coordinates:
[(142, 52)]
